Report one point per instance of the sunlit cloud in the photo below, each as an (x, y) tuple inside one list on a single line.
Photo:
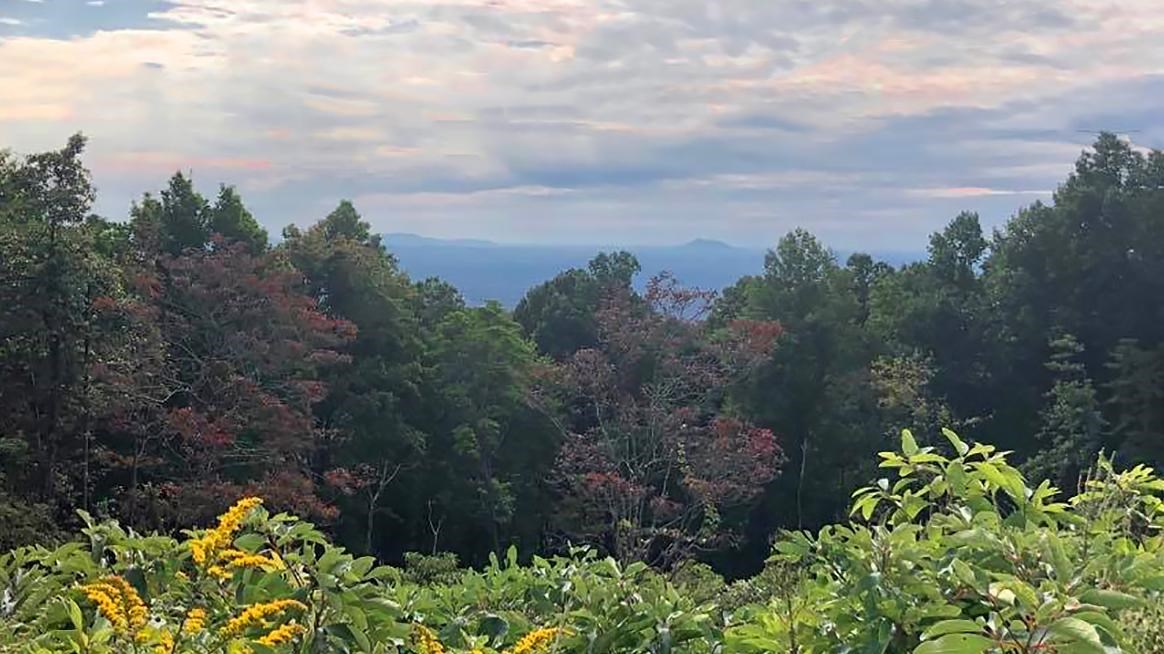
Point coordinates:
[(869, 121)]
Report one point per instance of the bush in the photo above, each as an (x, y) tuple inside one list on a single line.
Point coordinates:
[(428, 570), (956, 554)]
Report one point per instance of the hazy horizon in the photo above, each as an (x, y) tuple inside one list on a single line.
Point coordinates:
[(489, 270)]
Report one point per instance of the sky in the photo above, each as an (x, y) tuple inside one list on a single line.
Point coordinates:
[(869, 122)]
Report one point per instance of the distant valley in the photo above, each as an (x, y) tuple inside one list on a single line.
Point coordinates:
[(484, 270)]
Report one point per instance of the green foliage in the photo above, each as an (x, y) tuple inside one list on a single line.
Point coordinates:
[(156, 368), (559, 315), (955, 554), (233, 222), (1072, 421), (958, 554)]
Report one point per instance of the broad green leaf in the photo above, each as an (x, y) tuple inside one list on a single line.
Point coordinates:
[(75, 615), (908, 444), (866, 505), (955, 644), (1110, 599), (249, 542), (1077, 632), (953, 627), (959, 446), (1102, 621)]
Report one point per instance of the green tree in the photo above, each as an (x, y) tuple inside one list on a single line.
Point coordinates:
[(47, 284), (815, 391), (374, 410), (559, 314), (1136, 400), (230, 219), (1072, 423), (490, 448), (185, 217)]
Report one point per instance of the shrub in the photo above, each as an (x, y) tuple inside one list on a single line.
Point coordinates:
[(955, 554)]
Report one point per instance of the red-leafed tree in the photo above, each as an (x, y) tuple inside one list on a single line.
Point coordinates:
[(231, 408), (654, 468)]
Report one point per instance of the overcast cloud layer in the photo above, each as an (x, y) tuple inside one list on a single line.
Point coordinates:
[(871, 122)]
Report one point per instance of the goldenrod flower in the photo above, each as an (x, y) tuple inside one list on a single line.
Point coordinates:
[(195, 621), (425, 641), (537, 640), (258, 613), (254, 561), (119, 602), (281, 635), (165, 643), (207, 549), (220, 537)]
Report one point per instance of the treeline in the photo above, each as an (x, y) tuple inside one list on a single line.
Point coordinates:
[(158, 368)]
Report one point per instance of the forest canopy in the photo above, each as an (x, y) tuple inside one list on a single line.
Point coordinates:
[(156, 367)]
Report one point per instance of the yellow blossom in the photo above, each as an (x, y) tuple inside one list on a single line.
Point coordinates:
[(207, 548), (119, 602), (254, 561), (426, 641), (165, 643), (283, 634), (537, 640), (258, 614), (195, 621)]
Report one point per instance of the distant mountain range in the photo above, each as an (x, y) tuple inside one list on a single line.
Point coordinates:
[(484, 270)]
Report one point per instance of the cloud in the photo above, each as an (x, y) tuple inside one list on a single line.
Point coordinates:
[(869, 121), (136, 162), (969, 192)]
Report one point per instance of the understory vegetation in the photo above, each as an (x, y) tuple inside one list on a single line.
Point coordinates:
[(953, 554)]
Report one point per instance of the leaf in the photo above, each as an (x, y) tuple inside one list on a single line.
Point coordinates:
[(1008, 481), (959, 446), (361, 566), (1102, 621), (1110, 599), (75, 615), (1079, 633), (249, 542), (866, 505), (908, 444), (955, 644), (494, 626), (953, 627)]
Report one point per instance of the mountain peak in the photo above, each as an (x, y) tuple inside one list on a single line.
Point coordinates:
[(707, 244)]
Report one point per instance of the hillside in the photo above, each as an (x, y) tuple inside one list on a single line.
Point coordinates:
[(484, 270)]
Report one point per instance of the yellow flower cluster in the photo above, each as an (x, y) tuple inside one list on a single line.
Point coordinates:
[(283, 634), (259, 613), (195, 621), (230, 560), (537, 640), (118, 602), (425, 641), (208, 549), (165, 643)]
